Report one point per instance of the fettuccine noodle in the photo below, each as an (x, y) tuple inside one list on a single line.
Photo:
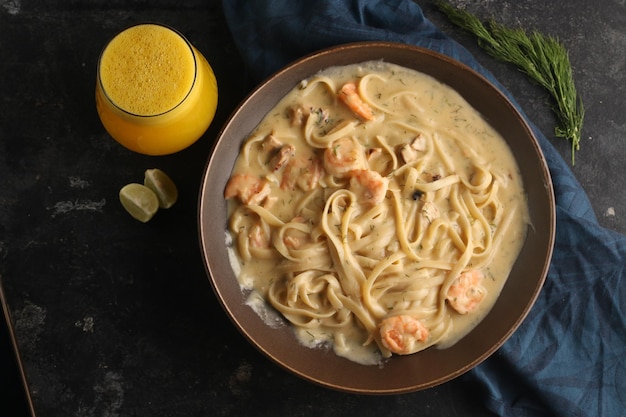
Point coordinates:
[(376, 211)]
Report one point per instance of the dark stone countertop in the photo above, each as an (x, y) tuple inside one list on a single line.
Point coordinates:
[(114, 317)]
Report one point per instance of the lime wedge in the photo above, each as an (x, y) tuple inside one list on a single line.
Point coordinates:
[(139, 201), (163, 187)]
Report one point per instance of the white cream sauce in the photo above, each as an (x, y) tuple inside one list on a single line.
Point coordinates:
[(435, 107)]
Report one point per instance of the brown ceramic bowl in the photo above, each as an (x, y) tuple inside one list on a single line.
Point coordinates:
[(401, 373)]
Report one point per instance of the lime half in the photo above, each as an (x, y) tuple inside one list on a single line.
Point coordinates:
[(139, 201), (163, 187)]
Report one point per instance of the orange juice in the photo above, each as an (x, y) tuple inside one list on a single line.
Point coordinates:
[(155, 94)]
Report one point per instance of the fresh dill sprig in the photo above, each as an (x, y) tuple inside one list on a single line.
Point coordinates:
[(543, 58)]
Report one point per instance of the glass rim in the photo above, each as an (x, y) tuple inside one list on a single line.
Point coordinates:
[(187, 94)]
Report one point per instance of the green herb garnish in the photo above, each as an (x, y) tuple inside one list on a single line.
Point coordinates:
[(543, 58)]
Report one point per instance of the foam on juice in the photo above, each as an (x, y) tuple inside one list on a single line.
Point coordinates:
[(147, 70)]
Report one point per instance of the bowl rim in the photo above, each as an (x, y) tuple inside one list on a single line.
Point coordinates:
[(235, 312)]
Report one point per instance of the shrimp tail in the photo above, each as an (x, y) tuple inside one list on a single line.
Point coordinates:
[(348, 94)]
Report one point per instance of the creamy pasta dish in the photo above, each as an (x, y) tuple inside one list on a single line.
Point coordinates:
[(376, 211)]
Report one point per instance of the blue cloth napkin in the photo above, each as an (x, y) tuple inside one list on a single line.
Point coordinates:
[(568, 357)]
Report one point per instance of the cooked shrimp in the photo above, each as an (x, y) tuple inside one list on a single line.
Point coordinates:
[(258, 237), (403, 334), (351, 98), (369, 186), (466, 292), (302, 172), (295, 238), (248, 188), (344, 155)]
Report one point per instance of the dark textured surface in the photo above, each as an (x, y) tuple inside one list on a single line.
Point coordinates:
[(116, 318)]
